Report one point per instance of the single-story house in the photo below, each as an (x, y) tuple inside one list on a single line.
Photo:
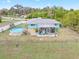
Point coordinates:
[(43, 27)]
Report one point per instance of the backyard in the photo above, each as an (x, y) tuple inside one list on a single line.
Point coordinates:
[(39, 29), (64, 46), (39, 50)]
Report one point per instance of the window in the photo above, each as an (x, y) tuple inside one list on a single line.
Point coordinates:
[(52, 30), (56, 24), (32, 24)]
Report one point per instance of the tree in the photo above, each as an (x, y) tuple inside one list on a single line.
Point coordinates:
[(0, 19), (4, 11)]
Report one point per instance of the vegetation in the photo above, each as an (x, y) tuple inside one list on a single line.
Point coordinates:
[(69, 18), (0, 19), (31, 47), (39, 50)]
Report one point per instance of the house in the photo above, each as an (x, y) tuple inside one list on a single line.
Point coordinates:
[(43, 27)]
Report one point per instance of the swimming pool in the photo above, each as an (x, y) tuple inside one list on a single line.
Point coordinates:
[(17, 30)]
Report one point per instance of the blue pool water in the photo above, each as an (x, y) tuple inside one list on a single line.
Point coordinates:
[(17, 30)]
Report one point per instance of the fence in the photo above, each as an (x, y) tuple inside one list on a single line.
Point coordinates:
[(6, 27)]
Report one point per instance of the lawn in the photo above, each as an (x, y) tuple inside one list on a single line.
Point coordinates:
[(39, 50), (64, 46), (21, 26)]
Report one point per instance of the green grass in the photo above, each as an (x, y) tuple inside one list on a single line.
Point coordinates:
[(30, 47), (22, 26), (2, 22), (39, 50)]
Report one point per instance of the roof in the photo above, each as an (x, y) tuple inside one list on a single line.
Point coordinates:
[(42, 21), (46, 25)]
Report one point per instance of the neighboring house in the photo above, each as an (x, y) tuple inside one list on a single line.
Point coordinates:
[(43, 27)]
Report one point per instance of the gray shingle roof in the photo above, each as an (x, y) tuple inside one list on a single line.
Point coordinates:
[(42, 21)]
